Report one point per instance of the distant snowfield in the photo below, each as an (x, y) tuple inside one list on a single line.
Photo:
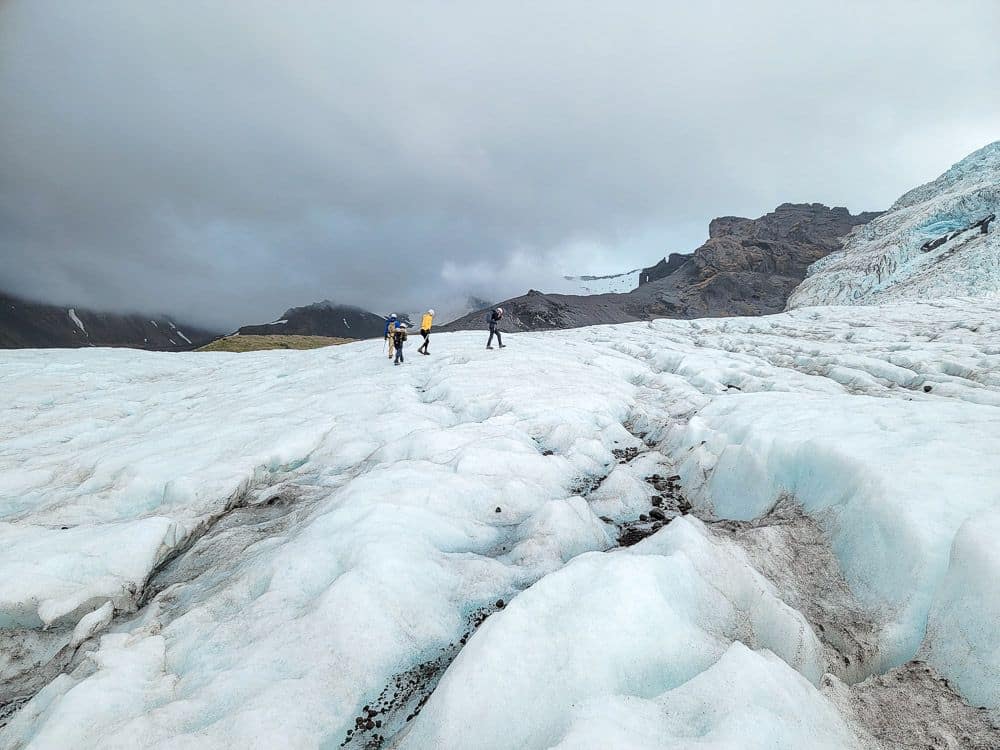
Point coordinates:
[(619, 283), (298, 547)]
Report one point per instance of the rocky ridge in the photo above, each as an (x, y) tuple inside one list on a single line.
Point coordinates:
[(746, 267)]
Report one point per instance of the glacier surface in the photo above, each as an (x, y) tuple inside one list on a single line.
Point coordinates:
[(316, 549)]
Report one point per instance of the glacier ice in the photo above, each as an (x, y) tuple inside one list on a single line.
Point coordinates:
[(294, 545), (926, 246), (639, 623), (746, 700), (893, 495)]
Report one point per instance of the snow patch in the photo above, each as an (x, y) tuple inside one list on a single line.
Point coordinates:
[(77, 321), (614, 284)]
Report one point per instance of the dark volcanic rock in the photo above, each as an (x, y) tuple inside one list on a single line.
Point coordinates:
[(324, 319), (536, 311), (664, 268), (25, 324), (747, 267), (727, 226)]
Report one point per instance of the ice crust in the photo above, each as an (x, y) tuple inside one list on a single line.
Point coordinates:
[(281, 534)]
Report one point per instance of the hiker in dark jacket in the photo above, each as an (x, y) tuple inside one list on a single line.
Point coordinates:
[(398, 339), (495, 317)]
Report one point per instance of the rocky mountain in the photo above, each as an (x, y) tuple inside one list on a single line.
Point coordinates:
[(937, 240), (746, 267), (35, 325), (664, 268), (324, 318)]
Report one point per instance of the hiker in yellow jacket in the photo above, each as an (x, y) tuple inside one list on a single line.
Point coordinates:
[(425, 330)]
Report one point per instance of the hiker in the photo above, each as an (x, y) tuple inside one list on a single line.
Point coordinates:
[(390, 326), (495, 317), (425, 331), (398, 339)]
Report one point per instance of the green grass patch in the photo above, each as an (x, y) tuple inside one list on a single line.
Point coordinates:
[(260, 343)]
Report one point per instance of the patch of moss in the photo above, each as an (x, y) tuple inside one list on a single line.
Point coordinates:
[(260, 343)]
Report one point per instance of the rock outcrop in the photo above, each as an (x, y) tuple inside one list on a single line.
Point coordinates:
[(664, 268), (746, 267)]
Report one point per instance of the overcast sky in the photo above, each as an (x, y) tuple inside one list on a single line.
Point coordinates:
[(222, 161)]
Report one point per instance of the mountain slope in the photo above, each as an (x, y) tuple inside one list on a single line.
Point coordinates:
[(937, 240), (747, 267), (610, 537), (25, 324), (323, 319)]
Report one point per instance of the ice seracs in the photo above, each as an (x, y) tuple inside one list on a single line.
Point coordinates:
[(938, 240)]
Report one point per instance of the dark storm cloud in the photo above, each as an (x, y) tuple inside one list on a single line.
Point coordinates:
[(222, 161)]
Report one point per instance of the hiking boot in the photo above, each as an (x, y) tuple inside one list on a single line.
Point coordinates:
[(489, 347), (503, 346)]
